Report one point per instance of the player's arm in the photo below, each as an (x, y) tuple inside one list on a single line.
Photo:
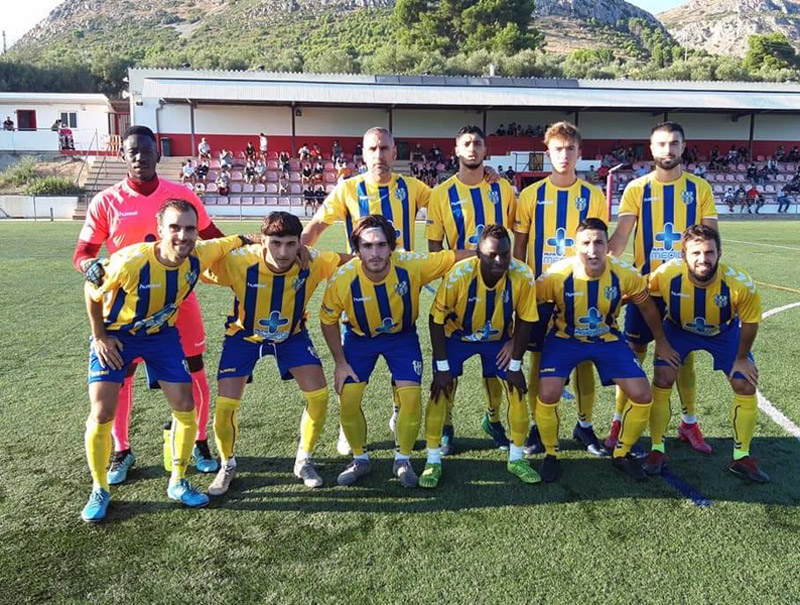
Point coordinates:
[(434, 227), (313, 230), (442, 377), (522, 336), (743, 363), (107, 348), (342, 370), (211, 232), (652, 317), (711, 222), (619, 240), (520, 246), (333, 209)]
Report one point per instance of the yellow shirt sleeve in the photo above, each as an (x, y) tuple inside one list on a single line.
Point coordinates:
[(334, 207), (525, 306), (434, 224), (422, 193), (512, 202), (115, 277), (435, 265), (210, 251), (445, 301), (656, 278), (524, 214), (217, 273), (545, 292), (708, 208), (633, 285), (631, 198), (331, 308), (328, 262), (598, 207), (747, 301)]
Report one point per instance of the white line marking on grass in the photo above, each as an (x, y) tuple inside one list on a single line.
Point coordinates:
[(727, 239), (765, 404)]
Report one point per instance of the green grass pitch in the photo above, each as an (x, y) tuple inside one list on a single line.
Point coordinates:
[(482, 537)]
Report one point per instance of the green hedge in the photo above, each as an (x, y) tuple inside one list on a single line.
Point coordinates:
[(52, 185)]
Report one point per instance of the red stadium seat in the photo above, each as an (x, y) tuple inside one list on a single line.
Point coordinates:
[(295, 188), (247, 188), (741, 178), (294, 165), (294, 177), (329, 166), (236, 175), (719, 189), (730, 178), (236, 187), (769, 189), (272, 188), (272, 155), (273, 165), (790, 167), (222, 200), (260, 188), (272, 201), (761, 158), (259, 201), (273, 177), (247, 201), (330, 177), (295, 201), (214, 164), (212, 175)]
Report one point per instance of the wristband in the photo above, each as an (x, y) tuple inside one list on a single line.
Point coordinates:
[(442, 366), (515, 365)]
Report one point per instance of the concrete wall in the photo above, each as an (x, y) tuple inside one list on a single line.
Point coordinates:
[(25, 206)]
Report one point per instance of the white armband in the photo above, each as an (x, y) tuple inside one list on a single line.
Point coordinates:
[(515, 365), (442, 366)]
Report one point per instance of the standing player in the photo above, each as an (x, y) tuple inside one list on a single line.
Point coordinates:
[(269, 317), (547, 215), (715, 308), (132, 314), (378, 292), (459, 210), (587, 290), (660, 205), (125, 214), (477, 303)]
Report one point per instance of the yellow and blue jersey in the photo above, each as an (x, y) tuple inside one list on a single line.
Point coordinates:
[(140, 293), (458, 213), (706, 310), (268, 306), (663, 211), (549, 215), (387, 307), (398, 201), (586, 308), (472, 312)]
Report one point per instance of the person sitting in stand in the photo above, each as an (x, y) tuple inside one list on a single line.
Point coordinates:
[(203, 150), (260, 170), (309, 200), (250, 171), (224, 182), (250, 151), (187, 172), (202, 170)]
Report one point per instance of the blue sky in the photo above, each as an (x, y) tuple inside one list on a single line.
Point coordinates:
[(657, 6)]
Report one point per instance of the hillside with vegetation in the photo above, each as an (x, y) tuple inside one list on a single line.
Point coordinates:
[(88, 45)]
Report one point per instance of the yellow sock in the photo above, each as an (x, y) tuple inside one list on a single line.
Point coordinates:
[(434, 420), (493, 391), (352, 418), (226, 426), (98, 451), (634, 420), (584, 390), (184, 432), (448, 412), (548, 421), (659, 417), (621, 398), (518, 419), (409, 418), (687, 386), (533, 382), (395, 398), (743, 415), (313, 418)]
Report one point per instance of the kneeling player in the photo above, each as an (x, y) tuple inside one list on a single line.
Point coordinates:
[(587, 291), (715, 308), (132, 314), (379, 294), (269, 318), (478, 301)]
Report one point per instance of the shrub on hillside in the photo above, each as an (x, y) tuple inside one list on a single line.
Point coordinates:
[(19, 173), (52, 185)]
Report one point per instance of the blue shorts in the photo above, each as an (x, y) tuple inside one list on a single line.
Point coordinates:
[(540, 328), (458, 351), (401, 352), (162, 352), (612, 359), (636, 328), (239, 356), (722, 347)]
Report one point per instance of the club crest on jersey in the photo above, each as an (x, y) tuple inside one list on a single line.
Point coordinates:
[(611, 292), (401, 288), (417, 365), (400, 194), (313, 352), (721, 300), (186, 366), (494, 197), (580, 203), (687, 197), (191, 277), (298, 282)]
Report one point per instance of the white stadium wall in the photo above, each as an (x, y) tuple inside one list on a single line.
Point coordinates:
[(433, 123), (242, 119), (338, 122), (773, 127), (535, 118)]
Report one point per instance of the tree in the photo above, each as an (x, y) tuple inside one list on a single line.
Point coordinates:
[(772, 51)]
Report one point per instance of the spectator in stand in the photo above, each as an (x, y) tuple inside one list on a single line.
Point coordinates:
[(762, 175), (262, 144), (261, 170), (336, 151), (284, 160), (794, 155), (452, 163), (732, 157), (202, 170), (741, 195), (226, 159), (187, 172), (510, 174), (642, 171), (203, 150), (418, 155), (304, 153), (56, 126), (730, 199), (772, 166), (602, 172), (309, 200), (700, 170), (760, 201), (501, 131), (529, 131), (316, 152), (319, 171), (224, 182), (250, 171), (362, 168), (65, 138), (713, 159), (783, 200), (283, 185), (780, 153), (307, 173), (751, 197), (591, 175), (752, 171), (436, 153), (250, 152), (343, 170), (320, 195), (8, 123), (743, 153), (358, 152)]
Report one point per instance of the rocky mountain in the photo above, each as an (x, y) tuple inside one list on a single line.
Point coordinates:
[(722, 26)]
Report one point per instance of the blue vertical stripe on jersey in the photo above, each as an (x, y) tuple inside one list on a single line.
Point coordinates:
[(699, 303), (491, 296), (586, 195), (562, 206), (386, 203), (458, 217), (403, 278), (725, 310), (250, 297), (299, 299), (143, 292), (358, 306), (647, 227), (405, 202), (472, 293), (592, 296), (569, 305), (691, 209), (668, 205), (116, 307), (538, 224), (614, 301), (477, 206), (363, 200), (499, 219), (276, 296), (508, 305), (384, 306), (172, 287), (675, 285)]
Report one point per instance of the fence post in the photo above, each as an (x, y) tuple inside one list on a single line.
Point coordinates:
[(240, 209), (34, 208), (51, 214)]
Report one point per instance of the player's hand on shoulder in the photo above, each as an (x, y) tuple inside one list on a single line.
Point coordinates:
[(250, 238), (93, 271), (109, 351), (490, 175), (304, 257)]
